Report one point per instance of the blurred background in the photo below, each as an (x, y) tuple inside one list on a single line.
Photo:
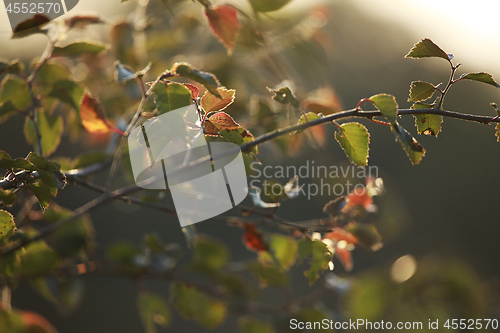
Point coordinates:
[(438, 218)]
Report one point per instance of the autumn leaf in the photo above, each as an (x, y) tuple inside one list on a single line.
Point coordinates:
[(344, 256), (93, 116), (194, 90), (218, 122), (209, 102), (224, 22), (253, 239)]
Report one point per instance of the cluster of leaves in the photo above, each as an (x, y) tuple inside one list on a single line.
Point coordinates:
[(53, 101)]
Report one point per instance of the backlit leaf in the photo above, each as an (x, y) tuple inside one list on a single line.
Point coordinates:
[(208, 80), (221, 121), (194, 304), (345, 258), (30, 26), (320, 257), (153, 311), (224, 22), (42, 193), (50, 128), (354, 140), (210, 102), (428, 124), (481, 77), (7, 225), (15, 90), (420, 91), (340, 234), (285, 96), (171, 96), (282, 248), (92, 114), (265, 6), (413, 149), (78, 48), (497, 134), (387, 105), (7, 197), (238, 136), (426, 48), (253, 239)]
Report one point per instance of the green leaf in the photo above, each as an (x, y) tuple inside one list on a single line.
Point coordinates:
[(37, 260), (253, 325), (426, 48), (427, 124), (153, 311), (12, 322), (8, 197), (285, 96), (208, 80), (387, 105), (66, 294), (10, 269), (239, 136), (42, 193), (51, 72), (50, 174), (71, 238), (15, 90), (154, 242), (354, 140), (15, 66), (413, 149), (7, 109), (69, 92), (209, 256), (124, 253), (480, 77), (420, 91), (86, 159), (78, 48), (50, 128), (194, 304), (265, 6), (269, 275), (7, 225), (320, 257), (171, 96), (30, 26), (366, 234), (283, 248)]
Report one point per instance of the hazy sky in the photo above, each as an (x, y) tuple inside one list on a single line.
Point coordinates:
[(468, 29)]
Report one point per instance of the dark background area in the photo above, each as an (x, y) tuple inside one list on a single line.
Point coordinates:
[(445, 207)]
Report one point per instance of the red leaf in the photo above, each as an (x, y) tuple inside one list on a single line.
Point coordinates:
[(339, 234), (37, 323), (224, 22), (194, 90), (253, 239), (344, 255), (359, 197), (218, 122)]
